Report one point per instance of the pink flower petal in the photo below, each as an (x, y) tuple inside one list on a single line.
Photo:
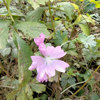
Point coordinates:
[(41, 69), (42, 48), (37, 61), (33, 66), (39, 40), (57, 52), (50, 70), (60, 65), (42, 79)]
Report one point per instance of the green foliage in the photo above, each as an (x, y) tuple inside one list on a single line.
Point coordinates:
[(60, 37), (29, 92), (4, 32), (86, 75), (17, 46), (67, 7), (32, 29), (21, 95), (24, 60), (67, 79), (36, 4), (12, 95), (6, 51), (94, 96), (35, 15), (85, 28), (87, 40), (14, 11), (39, 88)]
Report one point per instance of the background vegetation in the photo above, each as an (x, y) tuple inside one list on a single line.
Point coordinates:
[(73, 24)]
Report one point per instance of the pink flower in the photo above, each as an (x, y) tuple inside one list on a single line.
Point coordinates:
[(39, 40), (47, 64)]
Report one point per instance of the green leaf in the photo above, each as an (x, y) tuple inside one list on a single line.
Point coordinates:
[(94, 96), (35, 15), (21, 95), (87, 40), (60, 37), (12, 95), (64, 80), (14, 11), (72, 81), (33, 3), (86, 75), (85, 19), (85, 28), (6, 51), (89, 54), (29, 92), (44, 97), (36, 3), (14, 52), (39, 88), (89, 8), (72, 52), (8, 2), (68, 8), (32, 29), (4, 32), (24, 60), (56, 23)]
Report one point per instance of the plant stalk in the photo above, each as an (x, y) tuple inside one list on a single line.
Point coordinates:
[(8, 11), (51, 17)]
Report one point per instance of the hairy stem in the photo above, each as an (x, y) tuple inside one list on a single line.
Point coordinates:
[(8, 10), (51, 16)]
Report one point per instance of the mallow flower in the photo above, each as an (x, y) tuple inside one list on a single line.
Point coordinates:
[(47, 64)]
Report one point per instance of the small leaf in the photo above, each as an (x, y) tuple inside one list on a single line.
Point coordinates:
[(39, 88), (44, 97), (12, 95), (21, 95), (85, 19), (60, 37), (36, 3), (68, 8), (71, 81), (6, 51), (86, 75), (85, 28), (29, 92), (87, 40), (64, 80), (94, 96)]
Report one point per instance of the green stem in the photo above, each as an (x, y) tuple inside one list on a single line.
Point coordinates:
[(51, 16), (70, 37), (86, 81), (8, 11), (72, 86)]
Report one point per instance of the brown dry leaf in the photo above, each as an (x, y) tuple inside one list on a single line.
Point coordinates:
[(54, 87), (96, 88), (86, 91), (97, 76)]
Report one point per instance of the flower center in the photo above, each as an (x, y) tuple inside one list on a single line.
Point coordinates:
[(48, 60)]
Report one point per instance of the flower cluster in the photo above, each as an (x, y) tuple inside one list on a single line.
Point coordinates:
[(47, 64)]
